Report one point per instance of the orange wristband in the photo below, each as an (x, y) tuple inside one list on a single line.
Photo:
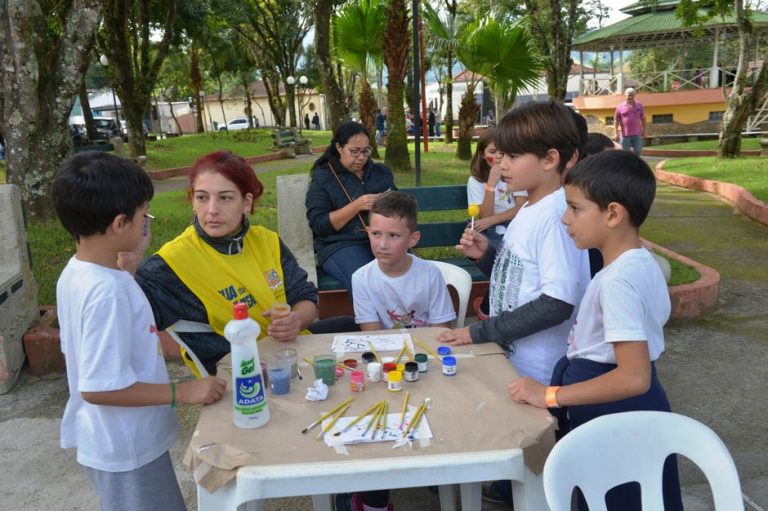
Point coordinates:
[(550, 398), (490, 189)]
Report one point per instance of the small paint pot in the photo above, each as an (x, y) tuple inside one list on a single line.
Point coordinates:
[(443, 351), (401, 368), (394, 381), (280, 378), (351, 363), (357, 381), (411, 371), (421, 359), (388, 367), (449, 366), (374, 372), (338, 372), (368, 357)]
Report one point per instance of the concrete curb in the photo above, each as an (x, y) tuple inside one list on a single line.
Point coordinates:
[(159, 175), (697, 298), (744, 201)]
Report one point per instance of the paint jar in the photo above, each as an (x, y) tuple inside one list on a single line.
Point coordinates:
[(339, 372), (324, 366), (289, 357), (357, 381), (394, 381), (368, 357), (443, 351), (374, 372), (449, 366), (387, 367), (411, 371), (351, 363), (421, 359), (279, 378), (400, 367)]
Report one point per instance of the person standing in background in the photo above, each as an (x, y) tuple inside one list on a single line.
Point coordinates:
[(306, 121), (316, 121), (629, 123)]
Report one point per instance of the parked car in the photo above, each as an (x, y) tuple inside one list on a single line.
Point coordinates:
[(238, 123), (78, 133), (106, 127)]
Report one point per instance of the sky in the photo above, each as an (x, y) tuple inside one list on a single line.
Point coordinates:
[(615, 15)]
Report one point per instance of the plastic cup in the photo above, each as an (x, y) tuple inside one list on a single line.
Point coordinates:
[(279, 310), (325, 368), (280, 378), (290, 358)]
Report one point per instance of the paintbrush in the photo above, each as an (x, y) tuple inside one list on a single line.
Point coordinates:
[(326, 415), (330, 424), (425, 348), (373, 350), (405, 407), (415, 419), (382, 424), (373, 419), (365, 414)]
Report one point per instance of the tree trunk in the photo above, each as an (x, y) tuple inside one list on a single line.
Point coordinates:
[(87, 114), (40, 74), (740, 104), (368, 108), (175, 119), (334, 95), (396, 58), (467, 116)]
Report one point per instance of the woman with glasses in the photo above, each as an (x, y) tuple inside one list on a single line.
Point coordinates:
[(345, 183)]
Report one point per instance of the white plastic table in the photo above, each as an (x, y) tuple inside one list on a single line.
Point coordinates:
[(482, 439)]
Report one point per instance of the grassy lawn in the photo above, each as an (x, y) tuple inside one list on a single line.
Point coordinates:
[(749, 172), (183, 151), (51, 246), (703, 145)]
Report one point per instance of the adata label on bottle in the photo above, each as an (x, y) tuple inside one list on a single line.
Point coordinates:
[(249, 389)]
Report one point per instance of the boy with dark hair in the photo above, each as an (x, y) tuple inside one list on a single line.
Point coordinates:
[(537, 275), (618, 334), (118, 414), (398, 289)]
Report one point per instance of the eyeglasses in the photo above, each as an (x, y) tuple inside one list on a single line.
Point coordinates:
[(356, 153)]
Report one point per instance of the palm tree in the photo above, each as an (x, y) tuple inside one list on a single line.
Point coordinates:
[(359, 40), (396, 50), (501, 52)]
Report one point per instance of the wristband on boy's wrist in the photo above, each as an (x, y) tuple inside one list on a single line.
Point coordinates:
[(550, 397), (173, 395), (490, 189)]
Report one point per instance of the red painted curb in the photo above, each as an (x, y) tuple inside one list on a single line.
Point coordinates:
[(159, 175), (697, 298), (744, 201)]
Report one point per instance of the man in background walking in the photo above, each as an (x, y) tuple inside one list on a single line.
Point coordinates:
[(629, 123)]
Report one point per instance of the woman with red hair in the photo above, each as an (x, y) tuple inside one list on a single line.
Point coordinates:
[(221, 259)]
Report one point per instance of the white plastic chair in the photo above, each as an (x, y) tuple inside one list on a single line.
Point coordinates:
[(632, 446), (187, 354), (461, 281)]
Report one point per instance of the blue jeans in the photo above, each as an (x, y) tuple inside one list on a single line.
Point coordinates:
[(344, 262), (635, 142)]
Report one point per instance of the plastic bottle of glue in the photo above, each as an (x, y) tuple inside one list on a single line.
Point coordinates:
[(249, 399)]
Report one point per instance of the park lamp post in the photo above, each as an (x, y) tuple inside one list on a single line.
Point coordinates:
[(104, 61), (302, 89)]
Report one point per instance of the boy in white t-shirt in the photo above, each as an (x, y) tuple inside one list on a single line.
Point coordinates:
[(118, 415), (537, 275), (398, 289), (618, 334)]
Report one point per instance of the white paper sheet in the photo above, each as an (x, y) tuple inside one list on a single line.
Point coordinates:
[(391, 433), (359, 343)]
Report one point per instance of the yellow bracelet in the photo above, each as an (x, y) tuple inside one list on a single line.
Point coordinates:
[(550, 398)]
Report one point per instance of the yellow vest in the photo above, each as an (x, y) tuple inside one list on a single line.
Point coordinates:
[(254, 276)]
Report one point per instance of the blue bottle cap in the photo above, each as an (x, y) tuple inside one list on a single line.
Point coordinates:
[(443, 350)]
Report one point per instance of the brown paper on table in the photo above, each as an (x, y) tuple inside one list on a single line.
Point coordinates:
[(470, 412)]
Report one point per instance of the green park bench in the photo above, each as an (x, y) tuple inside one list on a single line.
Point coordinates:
[(102, 148), (296, 234), (290, 142)]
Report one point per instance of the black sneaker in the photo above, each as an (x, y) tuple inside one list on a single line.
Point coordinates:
[(498, 492)]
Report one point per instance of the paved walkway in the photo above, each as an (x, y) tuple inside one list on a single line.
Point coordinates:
[(714, 370)]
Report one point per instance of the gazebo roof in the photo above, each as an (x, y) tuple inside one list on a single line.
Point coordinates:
[(649, 28)]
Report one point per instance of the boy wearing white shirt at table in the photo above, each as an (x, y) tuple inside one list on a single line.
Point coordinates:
[(618, 334), (398, 289)]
